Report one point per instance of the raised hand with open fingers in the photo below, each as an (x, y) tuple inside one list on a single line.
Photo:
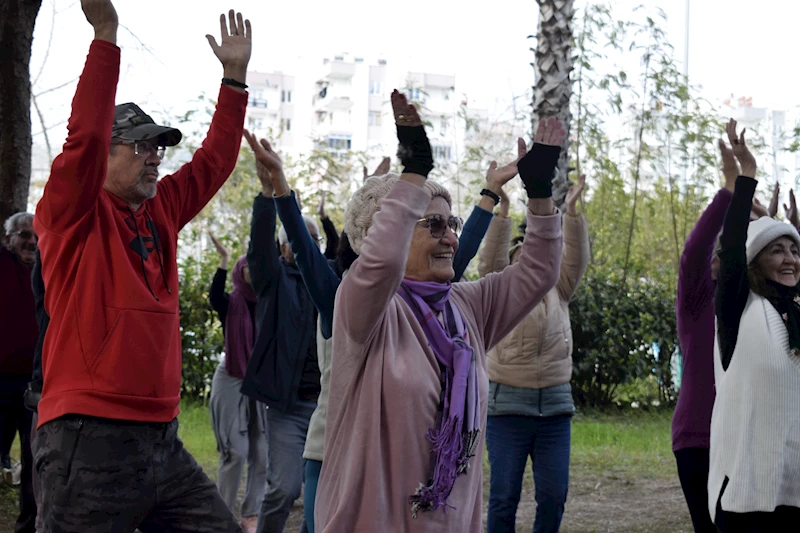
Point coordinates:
[(496, 176), (235, 45), (574, 194), (218, 245), (268, 165), (791, 210), (746, 159), (730, 168), (772, 210)]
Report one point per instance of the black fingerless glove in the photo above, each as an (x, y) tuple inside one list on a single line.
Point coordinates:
[(414, 150), (536, 170)]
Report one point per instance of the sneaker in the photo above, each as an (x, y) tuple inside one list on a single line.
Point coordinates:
[(249, 523), (16, 475)]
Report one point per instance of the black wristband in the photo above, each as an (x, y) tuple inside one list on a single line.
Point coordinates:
[(234, 83), (536, 170), (490, 194), (414, 150)]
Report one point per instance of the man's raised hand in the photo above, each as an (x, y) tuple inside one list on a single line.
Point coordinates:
[(741, 151), (269, 167), (103, 18), (235, 46)]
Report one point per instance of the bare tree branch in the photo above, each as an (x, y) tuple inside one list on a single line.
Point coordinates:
[(73, 80), (44, 129), (49, 44)]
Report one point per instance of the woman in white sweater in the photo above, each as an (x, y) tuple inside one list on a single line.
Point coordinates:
[(754, 478)]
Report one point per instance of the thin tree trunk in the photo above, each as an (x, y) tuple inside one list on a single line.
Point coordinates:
[(636, 172), (553, 87), (17, 20)]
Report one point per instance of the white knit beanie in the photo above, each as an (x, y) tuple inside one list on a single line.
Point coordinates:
[(366, 201), (763, 231)]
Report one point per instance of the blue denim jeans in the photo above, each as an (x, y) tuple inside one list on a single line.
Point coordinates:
[(313, 468), (286, 434), (511, 440)]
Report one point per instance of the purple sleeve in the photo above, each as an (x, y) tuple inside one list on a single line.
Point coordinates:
[(695, 286)]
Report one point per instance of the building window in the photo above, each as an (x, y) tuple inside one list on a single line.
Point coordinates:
[(444, 126), (374, 118), (286, 124), (441, 152), (339, 143), (283, 95), (374, 87), (414, 94), (289, 97)]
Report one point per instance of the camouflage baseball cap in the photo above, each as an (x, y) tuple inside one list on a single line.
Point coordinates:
[(133, 124)]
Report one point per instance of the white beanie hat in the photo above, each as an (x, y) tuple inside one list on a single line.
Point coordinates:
[(366, 201), (763, 231)]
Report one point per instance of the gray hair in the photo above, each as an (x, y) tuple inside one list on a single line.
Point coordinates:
[(283, 238), (16, 220)]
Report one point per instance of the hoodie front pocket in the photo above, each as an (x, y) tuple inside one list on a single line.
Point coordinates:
[(141, 355)]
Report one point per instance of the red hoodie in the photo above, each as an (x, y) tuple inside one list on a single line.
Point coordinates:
[(113, 346)]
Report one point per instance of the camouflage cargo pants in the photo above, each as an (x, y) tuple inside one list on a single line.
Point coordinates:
[(100, 475)]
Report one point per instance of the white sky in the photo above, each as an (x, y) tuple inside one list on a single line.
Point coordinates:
[(736, 46)]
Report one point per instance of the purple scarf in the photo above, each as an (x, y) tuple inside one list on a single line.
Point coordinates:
[(239, 335), (457, 426)]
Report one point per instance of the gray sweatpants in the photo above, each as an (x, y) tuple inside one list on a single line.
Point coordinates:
[(239, 425), (112, 475)]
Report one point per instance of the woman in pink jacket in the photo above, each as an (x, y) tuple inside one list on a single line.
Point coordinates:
[(408, 386)]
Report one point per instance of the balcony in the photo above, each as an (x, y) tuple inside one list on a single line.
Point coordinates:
[(339, 70), (331, 103)]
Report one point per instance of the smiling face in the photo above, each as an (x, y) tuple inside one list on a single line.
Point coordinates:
[(429, 258), (132, 177), (779, 261)]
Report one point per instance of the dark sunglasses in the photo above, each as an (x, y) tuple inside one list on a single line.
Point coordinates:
[(26, 234), (438, 225)]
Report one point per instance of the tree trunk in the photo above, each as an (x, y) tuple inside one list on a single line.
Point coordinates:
[(553, 87), (17, 19)]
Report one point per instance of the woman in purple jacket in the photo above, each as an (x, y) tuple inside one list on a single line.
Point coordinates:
[(691, 422)]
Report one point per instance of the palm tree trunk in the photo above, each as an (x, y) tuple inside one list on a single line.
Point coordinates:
[(553, 87)]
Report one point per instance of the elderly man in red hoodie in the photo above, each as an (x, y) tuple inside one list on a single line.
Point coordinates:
[(107, 450), (18, 320)]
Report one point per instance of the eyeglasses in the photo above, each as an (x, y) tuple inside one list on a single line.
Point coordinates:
[(26, 234), (438, 225), (144, 148)]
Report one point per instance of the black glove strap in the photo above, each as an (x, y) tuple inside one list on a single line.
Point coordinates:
[(234, 83), (490, 194), (536, 170), (414, 150)]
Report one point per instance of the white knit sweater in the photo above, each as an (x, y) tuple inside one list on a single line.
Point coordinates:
[(755, 426)]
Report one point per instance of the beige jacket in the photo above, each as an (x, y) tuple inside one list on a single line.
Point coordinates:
[(538, 353)]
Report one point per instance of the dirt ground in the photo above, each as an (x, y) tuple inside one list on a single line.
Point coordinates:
[(596, 504), (600, 505)]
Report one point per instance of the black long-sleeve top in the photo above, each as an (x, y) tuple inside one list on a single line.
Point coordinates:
[(331, 238), (733, 285)]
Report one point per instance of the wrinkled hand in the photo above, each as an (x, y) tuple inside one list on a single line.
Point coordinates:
[(497, 177), (730, 168), (574, 194), (791, 210), (223, 252), (551, 132), (235, 43), (758, 210), (103, 18), (405, 114), (382, 169), (773, 203), (268, 163), (746, 159)]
